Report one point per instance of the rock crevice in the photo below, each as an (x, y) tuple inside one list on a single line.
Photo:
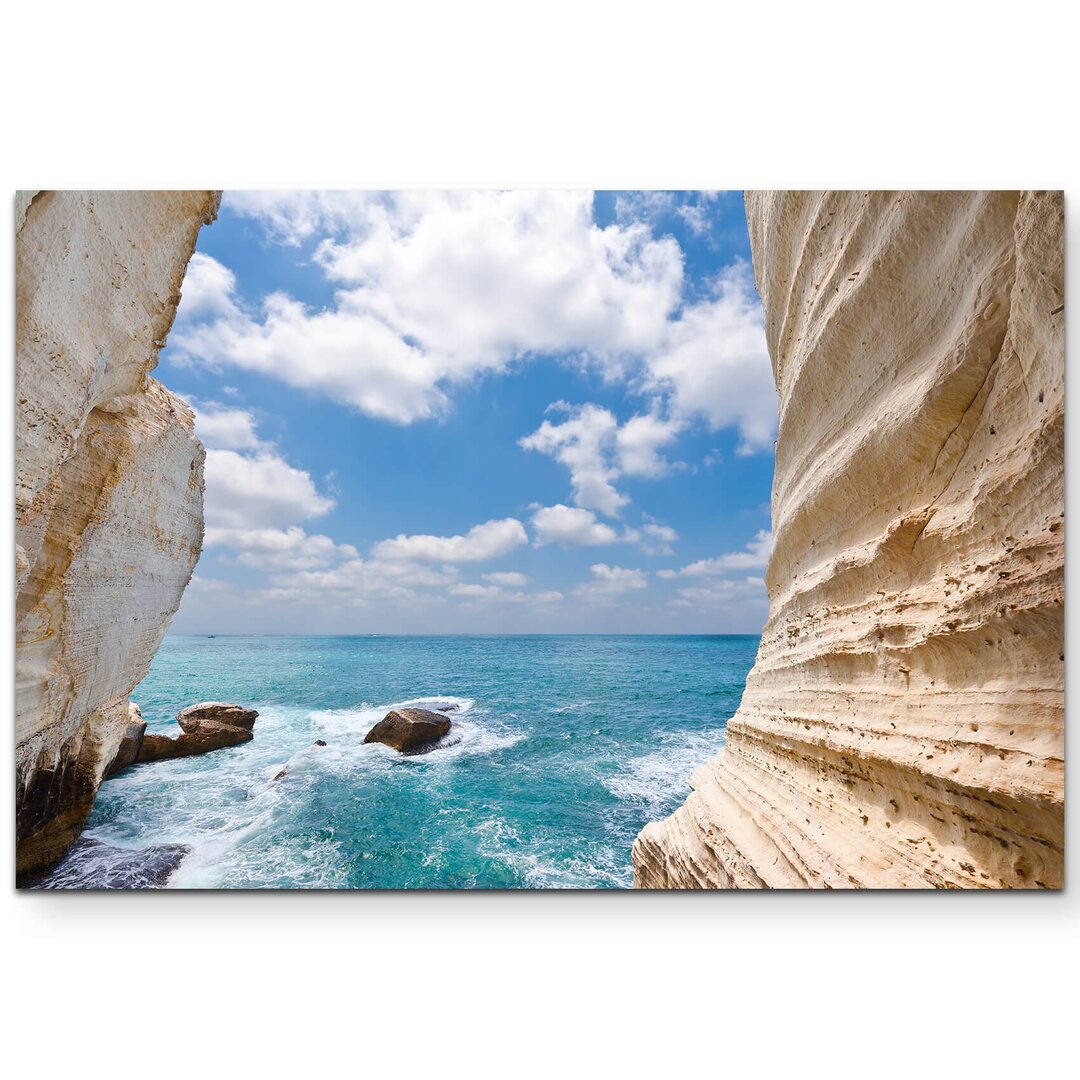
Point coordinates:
[(903, 725)]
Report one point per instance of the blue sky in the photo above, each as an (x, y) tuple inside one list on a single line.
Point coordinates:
[(493, 412)]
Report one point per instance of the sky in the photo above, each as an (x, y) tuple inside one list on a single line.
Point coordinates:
[(477, 412)]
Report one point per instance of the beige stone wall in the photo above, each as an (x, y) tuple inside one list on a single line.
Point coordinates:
[(903, 725), (108, 498)]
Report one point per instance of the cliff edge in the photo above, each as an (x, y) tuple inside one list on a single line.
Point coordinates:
[(108, 485), (903, 725)]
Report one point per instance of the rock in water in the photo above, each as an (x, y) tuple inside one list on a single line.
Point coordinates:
[(199, 737), (90, 864), (409, 730), (130, 743), (219, 712), (108, 485), (904, 722)]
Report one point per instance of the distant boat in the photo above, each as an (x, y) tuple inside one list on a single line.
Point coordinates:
[(211, 635)]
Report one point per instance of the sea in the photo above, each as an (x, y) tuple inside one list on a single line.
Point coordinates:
[(561, 749)]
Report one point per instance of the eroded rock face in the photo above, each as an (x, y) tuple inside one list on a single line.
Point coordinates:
[(903, 725), (409, 730), (130, 742), (108, 485)]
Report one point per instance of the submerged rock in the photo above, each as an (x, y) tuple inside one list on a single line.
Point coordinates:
[(130, 743), (409, 730), (219, 712), (90, 864), (286, 767)]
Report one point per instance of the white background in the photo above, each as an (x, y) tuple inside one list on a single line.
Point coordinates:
[(555, 94)]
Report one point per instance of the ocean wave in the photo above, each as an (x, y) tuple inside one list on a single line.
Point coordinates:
[(471, 732), (596, 866), (659, 780)]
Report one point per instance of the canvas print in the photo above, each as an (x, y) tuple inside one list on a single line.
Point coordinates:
[(539, 539)]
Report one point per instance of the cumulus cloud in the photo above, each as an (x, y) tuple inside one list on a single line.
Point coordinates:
[(440, 287), (714, 364), (583, 443), (493, 594), (597, 451), (279, 549), (208, 289), (223, 427), (570, 526), (660, 537), (509, 578), (259, 490), (359, 580), (755, 556), (609, 583), (486, 541), (717, 594)]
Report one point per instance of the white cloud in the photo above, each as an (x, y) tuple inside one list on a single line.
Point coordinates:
[(291, 217), (570, 527), (486, 541), (279, 549), (695, 217), (714, 596), (260, 490), (661, 537), (493, 594), (638, 441), (207, 289), (609, 583), (714, 362), (510, 578), (597, 451), (358, 581), (583, 443), (755, 556), (440, 287), (224, 428)]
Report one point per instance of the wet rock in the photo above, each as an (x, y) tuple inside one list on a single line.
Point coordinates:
[(409, 730), (131, 742), (219, 712), (199, 737), (90, 864)]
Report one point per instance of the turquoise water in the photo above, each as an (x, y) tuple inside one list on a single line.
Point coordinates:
[(562, 748)]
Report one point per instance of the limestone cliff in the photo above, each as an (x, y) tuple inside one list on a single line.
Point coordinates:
[(108, 485), (903, 725)]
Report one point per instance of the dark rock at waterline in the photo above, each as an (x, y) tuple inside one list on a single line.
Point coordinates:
[(220, 712), (199, 737), (130, 744), (409, 730), (90, 864)]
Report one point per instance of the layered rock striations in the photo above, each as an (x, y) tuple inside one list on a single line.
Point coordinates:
[(108, 485), (903, 725)]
